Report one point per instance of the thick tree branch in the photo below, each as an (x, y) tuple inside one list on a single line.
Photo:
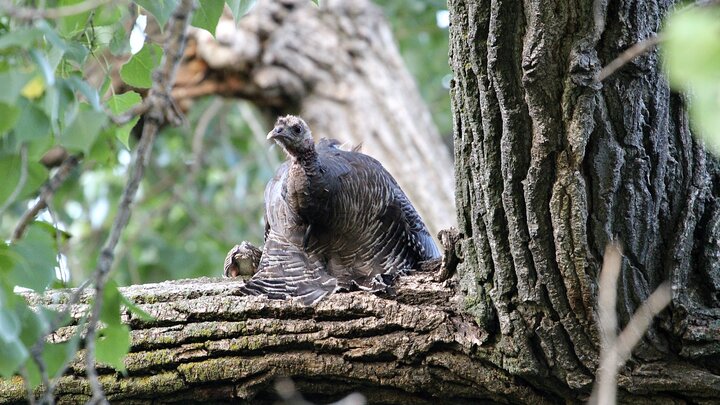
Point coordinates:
[(207, 343)]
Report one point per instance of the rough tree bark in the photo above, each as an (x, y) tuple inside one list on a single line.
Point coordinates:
[(207, 344), (551, 165), (339, 68)]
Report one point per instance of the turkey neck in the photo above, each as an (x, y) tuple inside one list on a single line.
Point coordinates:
[(308, 160)]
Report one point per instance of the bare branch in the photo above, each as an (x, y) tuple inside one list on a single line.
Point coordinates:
[(50, 13), (629, 54), (640, 321), (607, 294), (131, 113), (21, 181), (616, 350), (46, 194), (161, 109)]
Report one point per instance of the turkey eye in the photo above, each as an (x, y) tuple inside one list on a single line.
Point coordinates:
[(296, 128), (278, 130)]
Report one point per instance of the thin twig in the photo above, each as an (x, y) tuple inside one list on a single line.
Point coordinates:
[(640, 321), (26, 382), (629, 54), (161, 110), (21, 181), (55, 323), (616, 350), (22, 13), (607, 294), (46, 194), (131, 113)]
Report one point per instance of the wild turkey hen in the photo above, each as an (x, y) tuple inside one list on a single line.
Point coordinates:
[(334, 219)]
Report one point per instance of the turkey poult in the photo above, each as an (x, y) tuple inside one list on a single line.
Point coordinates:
[(334, 219)]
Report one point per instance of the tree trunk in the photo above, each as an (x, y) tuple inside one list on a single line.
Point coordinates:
[(551, 165), (339, 68)]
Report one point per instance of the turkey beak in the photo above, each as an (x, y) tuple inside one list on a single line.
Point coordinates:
[(277, 132)]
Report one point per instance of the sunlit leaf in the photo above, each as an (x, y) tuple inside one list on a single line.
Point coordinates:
[(35, 267), (691, 52), (112, 345), (138, 70), (9, 114), (208, 14), (240, 7), (160, 9), (692, 47), (34, 88)]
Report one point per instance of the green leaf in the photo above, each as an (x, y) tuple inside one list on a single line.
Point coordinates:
[(7, 261), (33, 373), (691, 53), (110, 311), (9, 114), (22, 38), (90, 93), (33, 123), (112, 345), (137, 72), (123, 132), (47, 70), (704, 108), (82, 132), (11, 83), (160, 9), (240, 7), (70, 25), (13, 354), (11, 167), (34, 325), (9, 325), (120, 103), (136, 309), (692, 47), (208, 14), (35, 266), (56, 355)]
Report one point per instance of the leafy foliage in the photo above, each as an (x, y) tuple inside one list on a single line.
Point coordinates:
[(692, 57), (47, 103)]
